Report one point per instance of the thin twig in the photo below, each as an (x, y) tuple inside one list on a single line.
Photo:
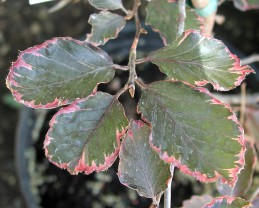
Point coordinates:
[(255, 194), (251, 99), (181, 18), (132, 13), (133, 52), (123, 68), (167, 194), (243, 103), (60, 5), (250, 59)]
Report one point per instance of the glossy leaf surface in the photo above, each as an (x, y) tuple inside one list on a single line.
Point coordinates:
[(163, 16), (196, 201), (245, 5), (58, 72), (227, 202), (85, 136), (107, 4), (192, 130), (198, 60), (105, 26), (140, 167), (244, 177)]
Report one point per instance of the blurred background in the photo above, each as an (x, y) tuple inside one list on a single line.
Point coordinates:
[(26, 177)]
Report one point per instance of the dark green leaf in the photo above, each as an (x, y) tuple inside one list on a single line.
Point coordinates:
[(163, 16), (58, 72), (105, 26), (198, 60), (227, 202), (107, 4), (85, 136), (244, 177), (193, 130), (140, 167)]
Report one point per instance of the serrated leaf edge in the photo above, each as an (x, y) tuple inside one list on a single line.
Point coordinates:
[(21, 63), (82, 167), (220, 199), (203, 177)]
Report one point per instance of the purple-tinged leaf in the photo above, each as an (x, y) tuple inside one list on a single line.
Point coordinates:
[(245, 5), (198, 59), (197, 201), (107, 4), (193, 130), (227, 202), (57, 72), (85, 136), (140, 167), (162, 16), (245, 176), (252, 125), (105, 26)]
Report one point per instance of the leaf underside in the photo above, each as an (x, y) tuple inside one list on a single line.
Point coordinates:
[(58, 72), (85, 136), (198, 59), (107, 4), (105, 26), (196, 201), (140, 167), (193, 130), (161, 14), (245, 5), (227, 202)]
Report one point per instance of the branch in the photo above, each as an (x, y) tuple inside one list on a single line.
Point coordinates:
[(251, 99), (181, 18), (133, 53), (250, 59), (167, 195)]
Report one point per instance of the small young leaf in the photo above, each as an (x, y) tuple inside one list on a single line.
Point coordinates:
[(198, 59), (197, 201), (227, 202), (82, 137), (107, 4), (140, 167), (166, 22), (245, 5), (245, 176), (193, 130), (105, 26), (58, 72)]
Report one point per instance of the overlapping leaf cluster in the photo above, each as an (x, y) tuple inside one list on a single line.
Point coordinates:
[(182, 124)]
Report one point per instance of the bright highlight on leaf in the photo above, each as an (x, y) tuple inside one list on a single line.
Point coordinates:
[(227, 202), (85, 136), (198, 59), (105, 26), (192, 130), (58, 72), (162, 16), (140, 167), (107, 4)]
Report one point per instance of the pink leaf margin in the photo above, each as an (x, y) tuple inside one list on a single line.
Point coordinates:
[(82, 166), (220, 199), (198, 175), (21, 63)]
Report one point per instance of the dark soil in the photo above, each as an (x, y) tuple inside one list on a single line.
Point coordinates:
[(22, 26)]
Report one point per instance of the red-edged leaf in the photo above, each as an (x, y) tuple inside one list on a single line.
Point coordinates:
[(227, 202), (85, 136), (140, 167), (107, 4), (245, 5), (198, 59), (166, 22), (58, 72), (197, 201), (193, 130), (244, 177), (105, 26)]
